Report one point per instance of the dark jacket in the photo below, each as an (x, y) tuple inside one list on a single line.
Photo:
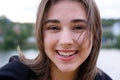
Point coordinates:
[(15, 70)]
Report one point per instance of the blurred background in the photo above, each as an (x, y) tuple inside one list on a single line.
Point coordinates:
[(17, 23)]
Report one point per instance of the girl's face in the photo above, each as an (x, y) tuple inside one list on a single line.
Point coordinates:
[(64, 31)]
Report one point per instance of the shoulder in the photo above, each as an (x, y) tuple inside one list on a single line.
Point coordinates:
[(15, 70), (102, 76)]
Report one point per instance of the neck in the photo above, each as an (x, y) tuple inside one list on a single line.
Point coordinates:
[(62, 76), (56, 74)]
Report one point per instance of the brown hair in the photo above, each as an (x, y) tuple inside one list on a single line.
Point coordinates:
[(88, 70)]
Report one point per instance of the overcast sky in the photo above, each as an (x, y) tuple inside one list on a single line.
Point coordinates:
[(25, 10)]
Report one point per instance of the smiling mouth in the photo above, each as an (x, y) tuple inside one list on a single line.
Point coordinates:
[(66, 53)]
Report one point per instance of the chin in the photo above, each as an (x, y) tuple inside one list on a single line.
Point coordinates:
[(67, 69)]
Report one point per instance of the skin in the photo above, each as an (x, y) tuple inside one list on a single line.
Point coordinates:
[(64, 30)]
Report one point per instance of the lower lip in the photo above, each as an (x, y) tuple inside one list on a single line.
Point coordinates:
[(69, 58)]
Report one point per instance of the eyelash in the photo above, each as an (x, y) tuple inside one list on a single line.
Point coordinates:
[(78, 27), (53, 28)]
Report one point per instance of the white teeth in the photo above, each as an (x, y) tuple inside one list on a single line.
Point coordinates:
[(66, 54)]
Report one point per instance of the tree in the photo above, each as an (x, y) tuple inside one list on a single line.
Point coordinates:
[(108, 35), (118, 42)]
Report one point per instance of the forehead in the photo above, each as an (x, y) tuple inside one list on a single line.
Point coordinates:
[(66, 9)]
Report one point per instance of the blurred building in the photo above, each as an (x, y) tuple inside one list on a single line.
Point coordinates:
[(110, 33), (116, 29), (1, 36)]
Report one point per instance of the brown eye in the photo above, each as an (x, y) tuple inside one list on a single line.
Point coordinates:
[(53, 28), (78, 28)]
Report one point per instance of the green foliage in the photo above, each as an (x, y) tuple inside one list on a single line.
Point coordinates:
[(9, 39), (14, 33), (118, 42), (26, 30), (109, 22), (108, 35)]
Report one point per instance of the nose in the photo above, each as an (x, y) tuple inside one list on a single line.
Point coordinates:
[(66, 39)]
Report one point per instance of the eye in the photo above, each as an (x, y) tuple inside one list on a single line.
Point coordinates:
[(78, 27), (53, 27)]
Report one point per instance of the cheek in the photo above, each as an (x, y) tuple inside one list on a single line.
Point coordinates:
[(85, 42), (49, 38), (85, 49), (49, 41), (47, 44)]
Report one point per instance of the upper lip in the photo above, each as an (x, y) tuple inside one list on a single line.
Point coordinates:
[(67, 50)]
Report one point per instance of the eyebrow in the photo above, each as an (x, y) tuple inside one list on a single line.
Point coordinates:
[(51, 21), (57, 21), (79, 20)]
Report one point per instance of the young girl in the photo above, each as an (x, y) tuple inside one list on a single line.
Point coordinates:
[(68, 36)]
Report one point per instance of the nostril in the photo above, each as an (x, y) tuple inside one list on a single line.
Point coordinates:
[(66, 45), (66, 40)]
